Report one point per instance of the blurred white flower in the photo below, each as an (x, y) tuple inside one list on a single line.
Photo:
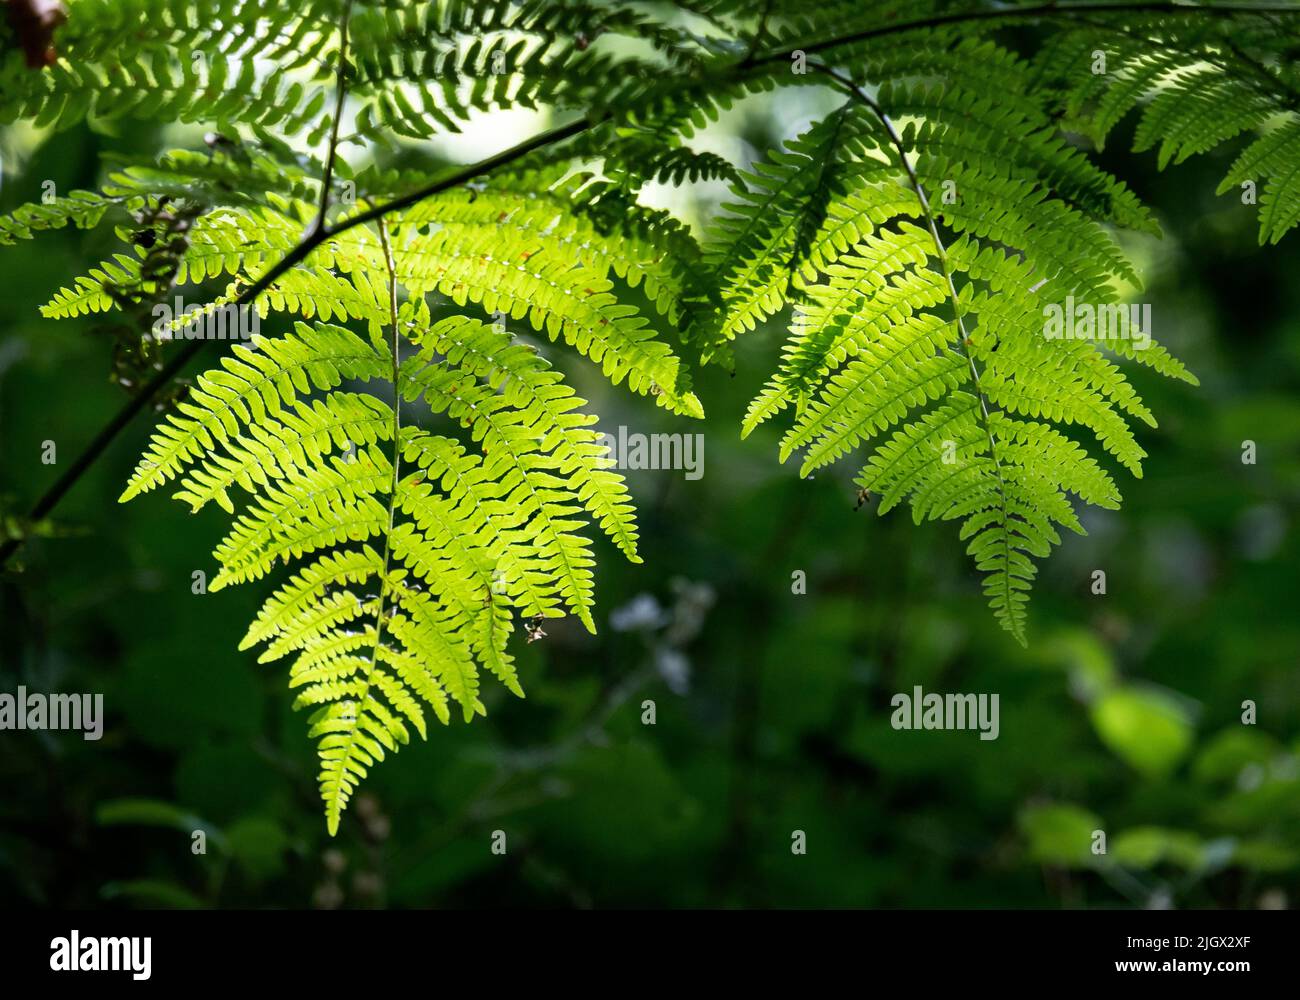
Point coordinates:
[(674, 668), (641, 614)]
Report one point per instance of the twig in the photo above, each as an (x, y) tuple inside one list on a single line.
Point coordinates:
[(297, 255), (1038, 11), (340, 97), (322, 232)]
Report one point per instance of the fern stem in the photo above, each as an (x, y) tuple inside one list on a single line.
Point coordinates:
[(941, 253), (179, 361), (340, 97), (1043, 10), (320, 234), (397, 391), (942, 256), (759, 33), (334, 808)]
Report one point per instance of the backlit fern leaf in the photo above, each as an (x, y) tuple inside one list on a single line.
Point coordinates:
[(927, 339), (919, 234), (416, 553), (254, 384), (532, 270)]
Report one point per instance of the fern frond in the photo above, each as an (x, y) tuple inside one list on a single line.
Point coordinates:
[(82, 209), (416, 553), (929, 341), (490, 380), (166, 59), (918, 237), (1273, 156), (515, 460)]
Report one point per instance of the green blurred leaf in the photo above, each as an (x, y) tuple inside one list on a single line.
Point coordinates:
[(258, 844), (1087, 660), (1060, 834), (1147, 729), (1144, 847), (1223, 758), (1267, 856), (155, 812)]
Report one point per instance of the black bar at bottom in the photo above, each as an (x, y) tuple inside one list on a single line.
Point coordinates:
[(216, 948)]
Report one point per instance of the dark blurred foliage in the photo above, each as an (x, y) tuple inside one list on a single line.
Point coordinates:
[(771, 707)]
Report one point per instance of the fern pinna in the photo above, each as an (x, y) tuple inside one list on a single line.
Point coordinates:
[(395, 437)]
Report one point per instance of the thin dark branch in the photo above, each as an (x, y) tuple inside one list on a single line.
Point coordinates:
[(1045, 10), (296, 256), (340, 98), (465, 175), (759, 34), (321, 233)]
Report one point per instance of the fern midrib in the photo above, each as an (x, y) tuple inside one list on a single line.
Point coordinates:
[(335, 807), (960, 345), (941, 255), (960, 348)]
